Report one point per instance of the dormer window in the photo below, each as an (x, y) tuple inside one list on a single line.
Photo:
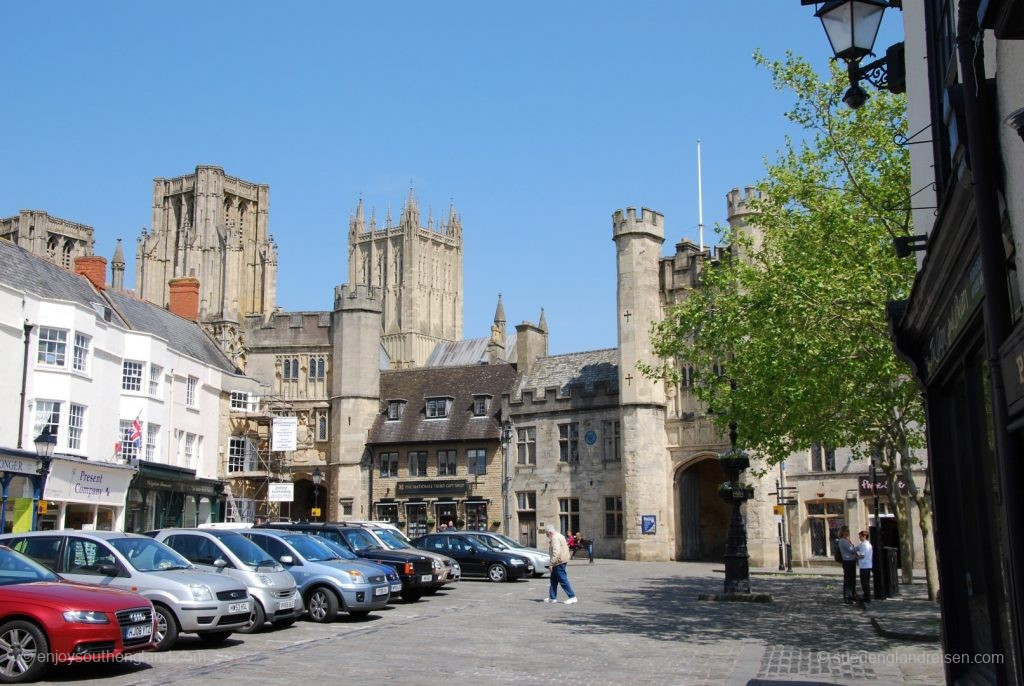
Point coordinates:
[(395, 408), (437, 407), (480, 405)]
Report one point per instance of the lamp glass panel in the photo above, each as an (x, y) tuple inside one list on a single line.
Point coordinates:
[(867, 17), (851, 26)]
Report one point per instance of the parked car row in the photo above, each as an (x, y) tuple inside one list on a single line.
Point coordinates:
[(69, 596)]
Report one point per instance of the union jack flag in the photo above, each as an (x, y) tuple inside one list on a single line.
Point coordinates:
[(135, 437)]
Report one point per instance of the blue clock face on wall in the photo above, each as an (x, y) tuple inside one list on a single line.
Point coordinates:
[(590, 437)]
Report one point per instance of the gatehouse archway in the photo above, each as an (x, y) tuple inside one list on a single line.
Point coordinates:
[(703, 515)]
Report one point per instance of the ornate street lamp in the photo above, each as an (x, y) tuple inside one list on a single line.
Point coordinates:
[(45, 443), (737, 560), (317, 476), (506, 438), (851, 27)]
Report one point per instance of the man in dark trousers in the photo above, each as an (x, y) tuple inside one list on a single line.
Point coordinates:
[(849, 554), (865, 560)]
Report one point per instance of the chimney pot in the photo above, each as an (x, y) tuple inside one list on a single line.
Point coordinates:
[(94, 268), (184, 297)]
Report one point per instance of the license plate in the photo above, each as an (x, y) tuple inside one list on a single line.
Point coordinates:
[(426, 578), (235, 608), (138, 631), (383, 590), (395, 588), (286, 604)]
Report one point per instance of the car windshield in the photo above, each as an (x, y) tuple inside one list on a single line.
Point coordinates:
[(247, 552), (336, 548), (389, 539), (18, 569), (487, 542), (147, 555), (310, 548), (359, 540), (508, 541)]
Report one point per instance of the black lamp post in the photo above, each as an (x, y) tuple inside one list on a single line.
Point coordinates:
[(317, 476), (737, 560), (851, 27), (506, 438), (45, 443)]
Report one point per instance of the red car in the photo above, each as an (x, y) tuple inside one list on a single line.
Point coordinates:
[(46, 620)]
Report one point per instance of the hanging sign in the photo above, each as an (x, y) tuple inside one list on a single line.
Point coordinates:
[(284, 434)]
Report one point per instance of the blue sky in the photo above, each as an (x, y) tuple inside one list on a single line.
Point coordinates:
[(539, 119)]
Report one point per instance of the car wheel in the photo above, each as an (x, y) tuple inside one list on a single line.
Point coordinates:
[(166, 628), (411, 595), (497, 572), (214, 636), (359, 613), (322, 604), (256, 620), (23, 652), (283, 623)]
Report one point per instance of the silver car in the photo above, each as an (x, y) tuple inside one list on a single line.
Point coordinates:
[(328, 583), (186, 599), (276, 598), (541, 560)]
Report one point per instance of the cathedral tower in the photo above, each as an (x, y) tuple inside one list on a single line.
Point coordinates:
[(214, 227), (418, 269), (645, 463)]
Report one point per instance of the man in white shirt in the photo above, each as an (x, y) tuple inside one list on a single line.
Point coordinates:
[(865, 561)]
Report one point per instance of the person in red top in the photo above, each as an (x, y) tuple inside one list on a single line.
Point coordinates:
[(570, 540)]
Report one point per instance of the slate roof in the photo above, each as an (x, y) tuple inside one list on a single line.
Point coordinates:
[(182, 335), (26, 272), (577, 371), (469, 351), (461, 383)]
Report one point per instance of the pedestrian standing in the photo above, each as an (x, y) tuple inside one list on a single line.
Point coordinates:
[(586, 544), (570, 541), (865, 562), (559, 551), (848, 551)]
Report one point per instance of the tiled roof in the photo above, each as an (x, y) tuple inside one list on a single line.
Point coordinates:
[(414, 386), (469, 351), (182, 335), (581, 371), (26, 272)]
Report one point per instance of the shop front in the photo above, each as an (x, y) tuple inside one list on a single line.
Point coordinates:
[(19, 477), (83, 494), (426, 504), (164, 496)]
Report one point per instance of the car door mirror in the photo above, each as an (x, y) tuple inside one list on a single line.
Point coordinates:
[(220, 563), (287, 560), (108, 570)]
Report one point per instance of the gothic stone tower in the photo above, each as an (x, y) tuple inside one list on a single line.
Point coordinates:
[(419, 271), (51, 238), (645, 463), (354, 395), (214, 227)]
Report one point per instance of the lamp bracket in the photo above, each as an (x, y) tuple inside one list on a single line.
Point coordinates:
[(876, 73), (905, 245)]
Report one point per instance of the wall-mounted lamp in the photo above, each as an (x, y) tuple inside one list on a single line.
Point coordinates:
[(851, 27)]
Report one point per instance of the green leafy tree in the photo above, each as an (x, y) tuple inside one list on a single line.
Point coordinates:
[(794, 311)]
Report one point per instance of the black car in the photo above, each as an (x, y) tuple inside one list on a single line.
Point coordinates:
[(475, 557), (416, 571)]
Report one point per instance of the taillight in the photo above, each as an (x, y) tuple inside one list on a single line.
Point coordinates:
[(409, 571)]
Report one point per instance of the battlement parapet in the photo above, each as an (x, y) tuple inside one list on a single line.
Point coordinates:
[(559, 398), (348, 297), (648, 221), (739, 204)]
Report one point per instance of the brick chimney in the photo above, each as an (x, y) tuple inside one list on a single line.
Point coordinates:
[(94, 268), (184, 300)]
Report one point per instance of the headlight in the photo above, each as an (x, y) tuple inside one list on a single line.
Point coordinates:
[(437, 564), (86, 617), (200, 592), (357, 576), (264, 579), (515, 562)]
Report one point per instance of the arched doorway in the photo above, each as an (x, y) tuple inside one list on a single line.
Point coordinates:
[(703, 516)]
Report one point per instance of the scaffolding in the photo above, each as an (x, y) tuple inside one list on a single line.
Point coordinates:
[(251, 466)]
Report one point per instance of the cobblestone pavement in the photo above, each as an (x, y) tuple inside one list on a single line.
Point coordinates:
[(636, 623)]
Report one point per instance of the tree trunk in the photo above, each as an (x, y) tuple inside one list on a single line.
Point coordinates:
[(901, 512), (923, 501)]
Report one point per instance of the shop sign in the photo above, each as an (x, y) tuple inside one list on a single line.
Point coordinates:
[(1011, 364), (284, 434), (966, 299), (881, 486), (18, 465), (447, 487), (281, 493), (80, 482)]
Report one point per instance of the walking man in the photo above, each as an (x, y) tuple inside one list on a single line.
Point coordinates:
[(559, 551), (848, 551), (865, 562)]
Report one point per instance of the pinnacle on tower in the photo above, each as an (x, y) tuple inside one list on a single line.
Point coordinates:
[(356, 225), (118, 255), (543, 323), (411, 211), (117, 268), (499, 313)]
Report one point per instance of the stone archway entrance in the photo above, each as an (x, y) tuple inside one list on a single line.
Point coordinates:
[(703, 516)]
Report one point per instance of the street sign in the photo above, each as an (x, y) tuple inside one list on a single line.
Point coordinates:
[(314, 512), (779, 509)]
